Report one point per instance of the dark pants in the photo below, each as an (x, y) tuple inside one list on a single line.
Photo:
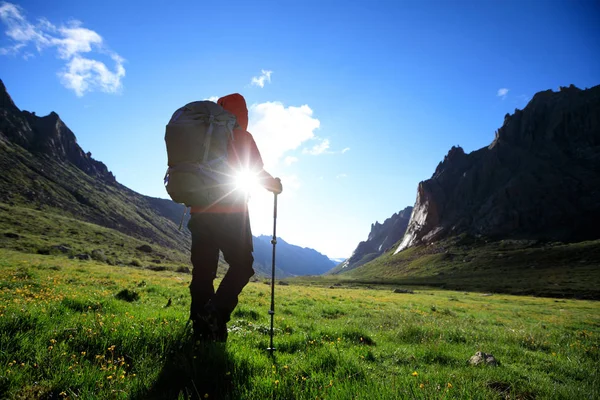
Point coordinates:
[(231, 234)]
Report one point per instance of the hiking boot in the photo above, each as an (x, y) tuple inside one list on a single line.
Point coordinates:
[(200, 328), (214, 323)]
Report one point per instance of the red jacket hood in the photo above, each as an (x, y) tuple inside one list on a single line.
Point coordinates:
[(236, 104)]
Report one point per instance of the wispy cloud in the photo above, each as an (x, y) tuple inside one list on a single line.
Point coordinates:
[(278, 129), (212, 98), (289, 160), (323, 147), (319, 148), (502, 92), (260, 80), (71, 41), (341, 176)]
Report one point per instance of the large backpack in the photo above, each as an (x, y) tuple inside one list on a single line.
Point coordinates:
[(197, 137)]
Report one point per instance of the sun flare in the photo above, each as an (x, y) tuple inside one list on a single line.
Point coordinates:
[(246, 180)]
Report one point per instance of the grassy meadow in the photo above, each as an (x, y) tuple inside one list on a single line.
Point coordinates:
[(522, 267), (72, 329)]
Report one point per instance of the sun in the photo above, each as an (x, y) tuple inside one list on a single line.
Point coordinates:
[(246, 180)]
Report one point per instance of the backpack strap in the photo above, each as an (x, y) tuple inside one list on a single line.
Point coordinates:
[(209, 132)]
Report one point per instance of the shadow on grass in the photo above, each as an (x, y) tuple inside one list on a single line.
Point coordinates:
[(198, 371)]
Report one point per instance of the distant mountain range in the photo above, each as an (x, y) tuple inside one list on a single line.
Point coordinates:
[(291, 260), (45, 173)]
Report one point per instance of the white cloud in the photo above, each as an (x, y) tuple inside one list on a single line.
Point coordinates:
[(289, 160), (319, 148), (347, 149), (260, 80), (213, 98), (80, 74), (502, 92), (278, 129), (341, 176), (75, 40)]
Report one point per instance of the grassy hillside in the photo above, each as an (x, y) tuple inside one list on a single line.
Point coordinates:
[(42, 232), (40, 182), (509, 266), (71, 329)]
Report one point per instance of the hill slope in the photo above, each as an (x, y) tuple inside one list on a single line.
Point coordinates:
[(44, 168)]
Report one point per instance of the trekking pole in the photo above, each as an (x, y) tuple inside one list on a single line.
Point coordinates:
[(271, 349)]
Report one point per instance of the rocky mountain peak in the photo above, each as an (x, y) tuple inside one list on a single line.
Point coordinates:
[(6, 101), (47, 136), (539, 178)]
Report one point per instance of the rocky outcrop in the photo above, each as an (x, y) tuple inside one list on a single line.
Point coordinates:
[(538, 179), (46, 136), (381, 239)]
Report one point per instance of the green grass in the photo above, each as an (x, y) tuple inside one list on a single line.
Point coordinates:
[(39, 232), (45, 184), (508, 266), (84, 329)]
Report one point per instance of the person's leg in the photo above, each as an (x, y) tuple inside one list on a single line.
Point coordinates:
[(205, 259), (235, 242)]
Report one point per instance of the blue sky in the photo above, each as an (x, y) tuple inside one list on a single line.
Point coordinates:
[(359, 101)]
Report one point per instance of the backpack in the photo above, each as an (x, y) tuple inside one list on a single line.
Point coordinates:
[(197, 137)]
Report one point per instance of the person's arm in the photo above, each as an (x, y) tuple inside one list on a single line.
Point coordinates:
[(268, 182)]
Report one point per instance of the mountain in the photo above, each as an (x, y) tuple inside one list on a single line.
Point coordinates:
[(381, 238), (539, 178), (518, 216), (291, 260), (43, 167)]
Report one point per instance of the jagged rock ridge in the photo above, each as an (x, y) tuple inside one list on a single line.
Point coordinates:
[(48, 136), (538, 179), (381, 239)]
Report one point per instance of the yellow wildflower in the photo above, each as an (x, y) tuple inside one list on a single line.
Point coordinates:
[(449, 385), (415, 373)]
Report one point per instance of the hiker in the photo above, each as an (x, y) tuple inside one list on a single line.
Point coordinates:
[(225, 226)]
